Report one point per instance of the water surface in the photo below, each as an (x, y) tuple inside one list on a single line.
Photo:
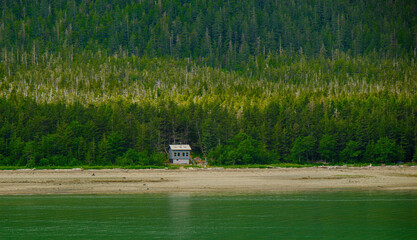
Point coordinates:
[(328, 215)]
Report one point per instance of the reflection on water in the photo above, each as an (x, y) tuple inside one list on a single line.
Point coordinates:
[(335, 215), (179, 215)]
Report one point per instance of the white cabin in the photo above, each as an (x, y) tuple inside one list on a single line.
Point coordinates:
[(179, 153)]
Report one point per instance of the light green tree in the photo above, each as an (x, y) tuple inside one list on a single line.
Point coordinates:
[(302, 149), (327, 148)]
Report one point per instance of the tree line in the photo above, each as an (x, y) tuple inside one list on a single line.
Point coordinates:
[(296, 125)]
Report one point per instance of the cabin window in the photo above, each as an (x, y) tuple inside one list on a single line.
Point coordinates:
[(183, 154), (175, 154), (186, 154)]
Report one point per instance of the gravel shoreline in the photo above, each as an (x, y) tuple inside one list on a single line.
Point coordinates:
[(207, 180)]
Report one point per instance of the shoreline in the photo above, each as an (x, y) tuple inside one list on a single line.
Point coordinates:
[(208, 180)]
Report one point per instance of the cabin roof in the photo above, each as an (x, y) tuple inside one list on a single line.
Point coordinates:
[(184, 147)]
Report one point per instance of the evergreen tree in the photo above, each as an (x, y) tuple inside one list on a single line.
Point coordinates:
[(302, 149), (327, 148), (351, 153)]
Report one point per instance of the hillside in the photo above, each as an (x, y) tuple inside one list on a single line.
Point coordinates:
[(244, 82)]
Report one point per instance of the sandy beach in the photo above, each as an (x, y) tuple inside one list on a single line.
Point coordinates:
[(208, 180)]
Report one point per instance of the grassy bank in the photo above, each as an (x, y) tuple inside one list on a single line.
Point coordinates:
[(174, 167)]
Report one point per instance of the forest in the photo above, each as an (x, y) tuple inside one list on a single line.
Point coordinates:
[(104, 82)]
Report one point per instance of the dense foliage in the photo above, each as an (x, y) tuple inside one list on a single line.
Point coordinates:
[(244, 82), (221, 33)]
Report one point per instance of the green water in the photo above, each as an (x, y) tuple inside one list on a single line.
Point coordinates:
[(337, 215)]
